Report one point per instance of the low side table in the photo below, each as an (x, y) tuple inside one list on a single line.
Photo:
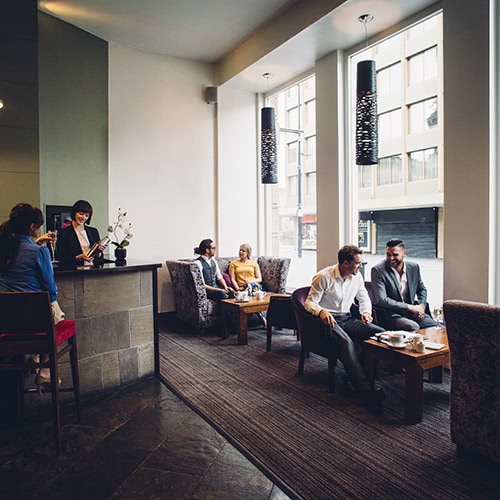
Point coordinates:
[(413, 363), (242, 310)]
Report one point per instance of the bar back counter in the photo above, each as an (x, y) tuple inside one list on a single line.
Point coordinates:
[(115, 310)]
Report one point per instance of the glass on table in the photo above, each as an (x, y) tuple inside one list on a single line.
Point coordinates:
[(437, 313)]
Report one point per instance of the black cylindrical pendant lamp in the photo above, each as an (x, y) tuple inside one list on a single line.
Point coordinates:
[(366, 114), (269, 165)]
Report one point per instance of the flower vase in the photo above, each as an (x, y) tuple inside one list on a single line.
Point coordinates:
[(120, 256)]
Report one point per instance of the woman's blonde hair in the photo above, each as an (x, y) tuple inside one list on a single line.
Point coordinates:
[(247, 248)]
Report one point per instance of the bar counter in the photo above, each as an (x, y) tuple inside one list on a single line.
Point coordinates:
[(115, 310)]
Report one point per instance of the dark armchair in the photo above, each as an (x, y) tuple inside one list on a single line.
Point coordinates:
[(474, 338), (280, 314), (314, 336)]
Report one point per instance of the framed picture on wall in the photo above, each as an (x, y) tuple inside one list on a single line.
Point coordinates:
[(57, 217)]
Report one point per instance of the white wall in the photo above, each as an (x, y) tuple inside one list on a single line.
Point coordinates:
[(183, 169), (161, 155), (238, 178)]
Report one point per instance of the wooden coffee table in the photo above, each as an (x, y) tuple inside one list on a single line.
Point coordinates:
[(413, 363), (242, 310)]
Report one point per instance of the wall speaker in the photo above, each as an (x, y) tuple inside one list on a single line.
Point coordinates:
[(211, 95)]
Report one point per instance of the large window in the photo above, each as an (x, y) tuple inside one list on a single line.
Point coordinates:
[(310, 147), (294, 197), (310, 113), (389, 170), (423, 66), (423, 164), (401, 196), (311, 184), (292, 181), (389, 80), (365, 176), (389, 124), (425, 28), (422, 116), (292, 118), (292, 153)]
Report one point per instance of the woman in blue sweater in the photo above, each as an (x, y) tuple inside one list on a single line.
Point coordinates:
[(25, 265)]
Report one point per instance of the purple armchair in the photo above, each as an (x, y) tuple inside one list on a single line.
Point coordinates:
[(314, 336)]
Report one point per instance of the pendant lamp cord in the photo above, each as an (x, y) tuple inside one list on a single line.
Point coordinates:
[(364, 20), (267, 76)]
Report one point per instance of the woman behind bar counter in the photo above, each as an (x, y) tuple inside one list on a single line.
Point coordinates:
[(75, 241), (25, 266)]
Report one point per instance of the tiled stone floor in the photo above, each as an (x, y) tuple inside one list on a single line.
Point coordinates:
[(139, 442)]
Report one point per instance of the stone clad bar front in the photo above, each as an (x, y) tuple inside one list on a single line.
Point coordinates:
[(115, 310)]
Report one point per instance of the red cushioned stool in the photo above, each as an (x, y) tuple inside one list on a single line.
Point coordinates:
[(27, 327)]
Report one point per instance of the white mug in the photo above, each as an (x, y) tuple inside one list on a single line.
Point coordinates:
[(259, 294)]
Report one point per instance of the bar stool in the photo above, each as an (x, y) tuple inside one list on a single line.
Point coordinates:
[(27, 327)]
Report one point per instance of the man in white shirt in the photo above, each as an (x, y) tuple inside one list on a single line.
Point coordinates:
[(398, 288), (332, 294)]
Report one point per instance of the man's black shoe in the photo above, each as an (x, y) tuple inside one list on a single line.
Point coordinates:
[(374, 397), (347, 388)]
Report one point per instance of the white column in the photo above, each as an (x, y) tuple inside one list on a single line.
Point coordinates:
[(330, 191), (466, 149)]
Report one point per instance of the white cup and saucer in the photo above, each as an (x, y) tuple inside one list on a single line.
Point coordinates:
[(241, 296), (397, 340)]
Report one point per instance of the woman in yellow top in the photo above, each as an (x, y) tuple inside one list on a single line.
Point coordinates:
[(244, 271)]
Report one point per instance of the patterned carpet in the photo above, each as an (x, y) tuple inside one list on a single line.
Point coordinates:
[(319, 445)]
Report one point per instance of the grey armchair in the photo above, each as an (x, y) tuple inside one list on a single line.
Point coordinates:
[(474, 338)]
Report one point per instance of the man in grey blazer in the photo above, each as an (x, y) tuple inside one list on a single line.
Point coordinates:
[(398, 288)]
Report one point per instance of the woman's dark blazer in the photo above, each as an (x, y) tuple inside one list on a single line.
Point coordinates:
[(68, 246)]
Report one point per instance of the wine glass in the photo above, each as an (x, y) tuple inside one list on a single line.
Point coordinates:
[(53, 244), (438, 315)]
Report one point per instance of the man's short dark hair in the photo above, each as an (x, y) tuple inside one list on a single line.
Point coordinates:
[(395, 243), (348, 252)]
